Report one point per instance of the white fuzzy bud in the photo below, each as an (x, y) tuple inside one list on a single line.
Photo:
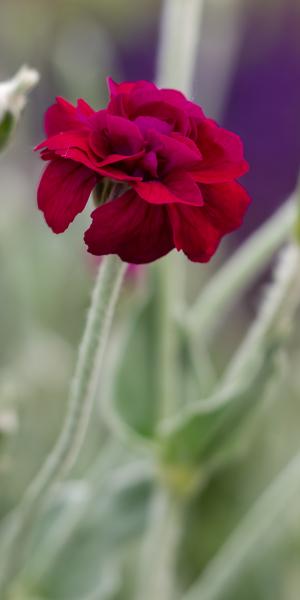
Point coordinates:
[(13, 96)]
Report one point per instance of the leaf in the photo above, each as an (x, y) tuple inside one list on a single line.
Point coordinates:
[(134, 393), (209, 430)]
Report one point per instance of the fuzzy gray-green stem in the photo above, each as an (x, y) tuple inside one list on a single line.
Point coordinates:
[(82, 392)]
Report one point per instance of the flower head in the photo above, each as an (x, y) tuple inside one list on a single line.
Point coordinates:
[(175, 172)]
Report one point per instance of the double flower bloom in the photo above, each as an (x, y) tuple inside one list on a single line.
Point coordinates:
[(175, 172)]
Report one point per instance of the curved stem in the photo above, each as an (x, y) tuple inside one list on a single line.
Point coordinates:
[(66, 450)]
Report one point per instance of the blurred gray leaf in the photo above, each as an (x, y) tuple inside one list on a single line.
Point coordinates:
[(85, 530)]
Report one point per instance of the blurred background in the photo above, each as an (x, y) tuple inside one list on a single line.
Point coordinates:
[(248, 78)]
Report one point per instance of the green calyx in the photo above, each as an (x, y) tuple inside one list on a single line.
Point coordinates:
[(7, 125)]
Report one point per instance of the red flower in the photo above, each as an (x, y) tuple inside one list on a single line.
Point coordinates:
[(175, 168)]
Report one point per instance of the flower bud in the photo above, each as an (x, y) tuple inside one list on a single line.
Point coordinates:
[(13, 96)]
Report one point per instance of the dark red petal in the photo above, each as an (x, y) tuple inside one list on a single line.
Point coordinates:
[(183, 139), (176, 187), (114, 135), (173, 97), (63, 116), (173, 115), (127, 86), (185, 189), (226, 204), (168, 105), (145, 123), (223, 154), (63, 192), (176, 153), (48, 154), (149, 164), (115, 88), (75, 147), (178, 99), (72, 145), (84, 108), (64, 140), (137, 232), (114, 171), (144, 99), (193, 233), (198, 231), (120, 158), (121, 102)]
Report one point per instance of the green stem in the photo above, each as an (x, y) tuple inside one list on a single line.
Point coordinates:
[(180, 34), (179, 41), (82, 393), (275, 318), (166, 345), (176, 62), (241, 270)]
